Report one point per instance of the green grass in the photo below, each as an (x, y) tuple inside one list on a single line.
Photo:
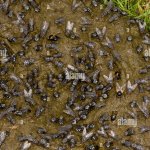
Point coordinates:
[(139, 9)]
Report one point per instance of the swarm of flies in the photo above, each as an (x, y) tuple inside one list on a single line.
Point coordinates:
[(87, 94)]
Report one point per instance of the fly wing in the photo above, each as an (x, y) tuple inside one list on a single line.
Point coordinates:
[(123, 88), (104, 30), (106, 78), (74, 2), (134, 86), (30, 92), (99, 33), (70, 26), (25, 93), (129, 85), (108, 40), (110, 76), (118, 88), (69, 111), (85, 135), (75, 5), (144, 106), (84, 132)]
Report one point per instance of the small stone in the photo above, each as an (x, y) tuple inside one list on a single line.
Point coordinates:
[(129, 38)]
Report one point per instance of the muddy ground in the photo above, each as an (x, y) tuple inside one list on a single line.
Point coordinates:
[(130, 64)]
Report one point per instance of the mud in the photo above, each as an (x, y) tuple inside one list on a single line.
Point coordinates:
[(131, 63)]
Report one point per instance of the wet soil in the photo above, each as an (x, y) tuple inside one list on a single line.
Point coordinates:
[(130, 64)]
